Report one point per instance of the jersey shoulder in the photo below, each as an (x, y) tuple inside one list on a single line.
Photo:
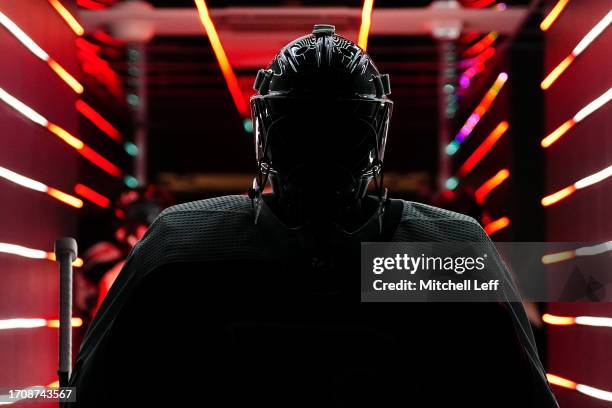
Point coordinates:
[(422, 222), (215, 228), (236, 204)]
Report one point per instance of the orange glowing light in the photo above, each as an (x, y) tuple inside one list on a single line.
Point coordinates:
[(92, 195), (558, 257), (558, 133), (557, 71), (77, 263), (489, 185), (68, 17), (494, 226), (553, 15), (65, 198), (561, 382), (65, 136), (226, 68), (54, 323), (484, 148), (366, 22), (558, 196), (558, 320), (65, 76)]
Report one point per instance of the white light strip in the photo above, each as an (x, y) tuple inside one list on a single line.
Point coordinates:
[(23, 37), (594, 178), (22, 251), (22, 108), (594, 392), (9, 324), (595, 249), (593, 34), (594, 321), (22, 180), (594, 105)]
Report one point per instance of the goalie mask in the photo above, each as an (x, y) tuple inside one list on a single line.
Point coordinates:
[(320, 116)]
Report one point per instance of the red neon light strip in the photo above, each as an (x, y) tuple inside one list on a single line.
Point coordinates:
[(226, 68), (91, 5), (100, 161), (97, 119), (494, 226), (92, 195), (484, 148), (483, 43), (61, 133), (481, 58), (483, 191), (478, 113), (107, 39), (366, 22), (480, 3)]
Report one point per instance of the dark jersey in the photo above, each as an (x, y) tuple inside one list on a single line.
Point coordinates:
[(214, 308)]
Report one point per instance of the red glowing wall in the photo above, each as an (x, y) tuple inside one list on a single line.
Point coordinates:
[(581, 354), (29, 287)]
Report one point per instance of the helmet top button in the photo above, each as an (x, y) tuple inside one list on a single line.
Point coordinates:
[(324, 29)]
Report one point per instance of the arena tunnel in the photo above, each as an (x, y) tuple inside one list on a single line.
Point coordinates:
[(113, 110)]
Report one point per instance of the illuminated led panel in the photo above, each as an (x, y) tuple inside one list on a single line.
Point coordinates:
[(226, 68), (583, 113), (32, 323), (578, 49), (68, 17), (40, 187), (366, 21), (553, 15), (41, 54), (584, 389), (483, 191), (478, 113), (580, 184), (92, 195), (497, 225), (85, 151), (26, 252), (592, 250)]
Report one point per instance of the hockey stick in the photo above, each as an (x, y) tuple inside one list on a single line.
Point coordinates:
[(65, 254)]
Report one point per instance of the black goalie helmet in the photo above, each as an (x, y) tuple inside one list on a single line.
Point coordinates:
[(320, 116)]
